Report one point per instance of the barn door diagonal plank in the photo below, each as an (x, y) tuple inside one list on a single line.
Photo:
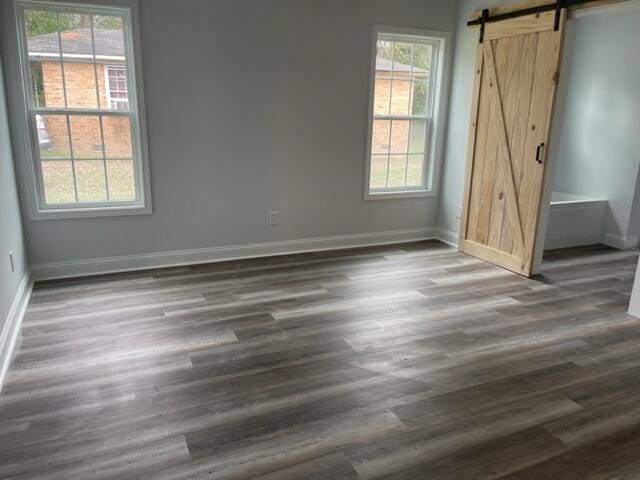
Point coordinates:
[(504, 153)]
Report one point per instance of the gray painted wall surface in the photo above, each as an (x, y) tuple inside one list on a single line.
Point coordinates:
[(11, 237), (253, 106), (600, 50), (599, 148)]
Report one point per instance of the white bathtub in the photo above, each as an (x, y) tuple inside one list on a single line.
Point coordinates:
[(575, 221)]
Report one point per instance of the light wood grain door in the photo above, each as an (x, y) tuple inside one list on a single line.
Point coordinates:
[(517, 70)]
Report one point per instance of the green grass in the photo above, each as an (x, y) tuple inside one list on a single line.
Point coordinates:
[(90, 180), (399, 170)]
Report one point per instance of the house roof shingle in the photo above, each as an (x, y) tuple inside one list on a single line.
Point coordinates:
[(111, 43), (78, 42), (385, 65)]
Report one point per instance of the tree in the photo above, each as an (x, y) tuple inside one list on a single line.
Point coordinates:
[(406, 53), (41, 22)]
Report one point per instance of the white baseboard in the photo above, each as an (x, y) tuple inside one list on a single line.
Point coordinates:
[(9, 335), (447, 236), (148, 261), (568, 242), (621, 242)]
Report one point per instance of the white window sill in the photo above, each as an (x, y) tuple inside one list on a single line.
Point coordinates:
[(89, 212), (399, 194)]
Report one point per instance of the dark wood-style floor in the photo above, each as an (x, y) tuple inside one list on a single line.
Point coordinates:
[(400, 362)]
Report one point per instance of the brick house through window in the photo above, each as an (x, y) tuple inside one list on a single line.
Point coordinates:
[(102, 85), (398, 88)]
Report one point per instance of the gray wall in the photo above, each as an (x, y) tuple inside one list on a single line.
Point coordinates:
[(599, 149), (459, 110), (253, 106), (11, 238), (597, 119), (634, 223)]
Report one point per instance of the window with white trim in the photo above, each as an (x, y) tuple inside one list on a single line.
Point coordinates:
[(79, 81), (405, 89), (117, 94)]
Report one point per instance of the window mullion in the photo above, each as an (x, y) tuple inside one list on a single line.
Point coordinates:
[(73, 163), (66, 106), (393, 61), (401, 117), (410, 111), (64, 80), (80, 111), (95, 70)]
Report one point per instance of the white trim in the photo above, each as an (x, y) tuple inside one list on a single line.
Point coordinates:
[(147, 261), (634, 307), (9, 335), (391, 194), (76, 56), (448, 237), (26, 133), (628, 6), (438, 118), (621, 242)]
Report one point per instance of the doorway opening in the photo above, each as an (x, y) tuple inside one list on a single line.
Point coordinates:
[(593, 194)]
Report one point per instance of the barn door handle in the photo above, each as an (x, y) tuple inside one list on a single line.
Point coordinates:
[(539, 153)]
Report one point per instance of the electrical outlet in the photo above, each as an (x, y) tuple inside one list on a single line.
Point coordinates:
[(274, 218), (13, 265), (459, 212)]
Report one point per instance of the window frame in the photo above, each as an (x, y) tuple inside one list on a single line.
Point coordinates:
[(439, 101), (28, 136)]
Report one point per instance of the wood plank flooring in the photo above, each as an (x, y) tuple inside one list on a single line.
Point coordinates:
[(400, 362)]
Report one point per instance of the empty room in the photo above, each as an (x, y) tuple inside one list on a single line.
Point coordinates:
[(319, 239)]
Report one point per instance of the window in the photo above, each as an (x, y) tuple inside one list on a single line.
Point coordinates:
[(117, 88), (404, 110), (80, 93)]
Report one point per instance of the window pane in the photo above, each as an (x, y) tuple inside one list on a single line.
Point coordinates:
[(37, 84), (397, 170), (379, 171), (382, 96), (110, 46), (384, 58), (85, 136), (90, 179), (58, 181), (422, 59), (417, 136), (109, 34), (415, 167), (401, 94), (381, 137), (80, 85), (400, 136), (420, 98), (117, 136), (43, 47), (402, 59), (53, 136), (77, 55), (122, 185)]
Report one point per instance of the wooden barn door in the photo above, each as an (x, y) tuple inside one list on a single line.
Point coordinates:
[(517, 70)]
